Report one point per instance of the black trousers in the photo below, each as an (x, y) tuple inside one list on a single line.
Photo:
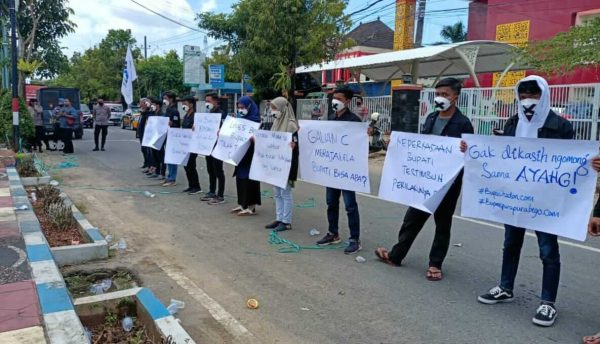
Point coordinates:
[(215, 174), (248, 192), (40, 136), (67, 138), (415, 219), (97, 130), (191, 172), (158, 157)]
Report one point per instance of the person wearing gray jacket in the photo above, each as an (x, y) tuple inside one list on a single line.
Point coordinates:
[(101, 120), (37, 115)]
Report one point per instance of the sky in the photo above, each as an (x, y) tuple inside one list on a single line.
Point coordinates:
[(94, 21)]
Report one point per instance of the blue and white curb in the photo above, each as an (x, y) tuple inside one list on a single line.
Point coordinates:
[(164, 322), (61, 322)]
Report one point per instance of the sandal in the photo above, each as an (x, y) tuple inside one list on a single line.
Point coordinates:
[(236, 210), (595, 339), (434, 274), (383, 255), (247, 212)]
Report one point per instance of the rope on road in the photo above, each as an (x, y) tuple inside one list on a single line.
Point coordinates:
[(68, 162), (292, 247), (117, 190)]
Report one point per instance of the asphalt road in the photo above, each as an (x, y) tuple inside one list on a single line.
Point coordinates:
[(323, 296)]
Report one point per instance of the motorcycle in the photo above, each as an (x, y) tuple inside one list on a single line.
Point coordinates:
[(377, 142)]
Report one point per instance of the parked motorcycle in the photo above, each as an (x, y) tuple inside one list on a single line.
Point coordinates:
[(377, 143)]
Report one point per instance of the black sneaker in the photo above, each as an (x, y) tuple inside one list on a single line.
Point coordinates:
[(272, 225), (545, 315), (496, 295), (283, 227), (216, 200), (194, 191), (329, 239), (353, 247), (187, 190), (95, 149), (208, 197)]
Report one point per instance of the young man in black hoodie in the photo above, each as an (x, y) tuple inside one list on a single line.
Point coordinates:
[(170, 101), (447, 120), (144, 111), (157, 170), (214, 166)]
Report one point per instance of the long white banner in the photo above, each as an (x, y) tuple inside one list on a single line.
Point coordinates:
[(419, 169), (335, 154), (234, 139), (205, 135), (155, 131), (272, 157), (177, 149), (540, 184)]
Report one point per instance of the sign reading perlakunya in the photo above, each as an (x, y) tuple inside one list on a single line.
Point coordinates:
[(540, 184), (155, 132), (335, 154), (234, 139), (419, 169), (272, 158)]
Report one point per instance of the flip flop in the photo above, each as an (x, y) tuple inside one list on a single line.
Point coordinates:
[(595, 339), (432, 272), (383, 256)]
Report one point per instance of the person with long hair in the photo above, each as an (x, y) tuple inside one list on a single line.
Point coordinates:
[(248, 190)]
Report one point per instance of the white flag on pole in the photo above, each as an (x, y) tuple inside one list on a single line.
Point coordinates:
[(129, 76)]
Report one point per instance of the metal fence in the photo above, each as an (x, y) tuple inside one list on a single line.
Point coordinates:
[(490, 108)]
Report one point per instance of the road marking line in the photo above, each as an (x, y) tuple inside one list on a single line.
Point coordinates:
[(484, 223), (234, 327)]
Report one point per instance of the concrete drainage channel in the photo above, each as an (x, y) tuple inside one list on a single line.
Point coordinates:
[(62, 317)]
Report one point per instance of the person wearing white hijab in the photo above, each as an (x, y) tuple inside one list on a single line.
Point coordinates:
[(285, 121), (535, 119)]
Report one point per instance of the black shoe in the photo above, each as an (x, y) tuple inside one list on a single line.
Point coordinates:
[(95, 149), (272, 225), (283, 227), (545, 315), (208, 197), (194, 191), (496, 295), (187, 190), (329, 239), (40, 150), (102, 149), (353, 247)]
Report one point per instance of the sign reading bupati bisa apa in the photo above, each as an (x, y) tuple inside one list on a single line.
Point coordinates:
[(540, 184), (335, 154)]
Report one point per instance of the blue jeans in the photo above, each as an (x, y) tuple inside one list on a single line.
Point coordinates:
[(548, 244), (333, 211), (284, 203), (171, 172)]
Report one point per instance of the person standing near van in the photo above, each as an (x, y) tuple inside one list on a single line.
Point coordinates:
[(37, 115), (67, 118), (101, 115)]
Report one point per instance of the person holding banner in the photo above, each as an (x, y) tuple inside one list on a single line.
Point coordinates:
[(285, 121), (342, 98), (248, 190), (158, 155), (214, 166), (535, 119), (194, 188), (170, 102), (144, 111), (448, 120)]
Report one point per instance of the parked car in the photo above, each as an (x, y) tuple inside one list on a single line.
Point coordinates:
[(127, 122), (50, 95), (116, 113), (88, 118)]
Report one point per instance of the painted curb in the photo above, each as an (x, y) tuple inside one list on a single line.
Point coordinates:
[(164, 322), (61, 323)]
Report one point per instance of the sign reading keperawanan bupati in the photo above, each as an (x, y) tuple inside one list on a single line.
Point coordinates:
[(419, 169), (335, 154), (539, 184)]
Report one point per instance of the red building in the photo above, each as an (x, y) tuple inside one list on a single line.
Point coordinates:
[(522, 21)]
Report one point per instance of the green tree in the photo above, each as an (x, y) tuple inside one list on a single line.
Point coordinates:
[(222, 56), (454, 33), (159, 74), (578, 47), (267, 37)]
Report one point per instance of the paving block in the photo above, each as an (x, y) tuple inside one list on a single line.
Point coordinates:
[(9, 229), (6, 201), (29, 335), (20, 307)]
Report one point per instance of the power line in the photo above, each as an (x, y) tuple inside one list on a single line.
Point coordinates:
[(167, 18)]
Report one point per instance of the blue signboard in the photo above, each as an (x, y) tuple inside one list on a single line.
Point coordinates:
[(216, 74)]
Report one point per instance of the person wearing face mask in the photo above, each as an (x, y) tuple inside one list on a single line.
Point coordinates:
[(101, 115), (284, 120), (214, 166), (67, 118), (157, 170), (144, 112), (248, 190), (169, 100), (447, 120), (189, 106), (340, 103), (535, 119)]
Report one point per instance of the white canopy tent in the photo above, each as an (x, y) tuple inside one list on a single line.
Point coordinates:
[(471, 57)]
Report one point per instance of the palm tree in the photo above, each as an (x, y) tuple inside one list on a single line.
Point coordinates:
[(454, 33)]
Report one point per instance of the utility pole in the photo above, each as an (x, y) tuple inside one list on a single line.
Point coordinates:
[(15, 75), (145, 49), (420, 23), (4, 54)]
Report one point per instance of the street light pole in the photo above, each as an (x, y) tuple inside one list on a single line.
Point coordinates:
[(15, 76)]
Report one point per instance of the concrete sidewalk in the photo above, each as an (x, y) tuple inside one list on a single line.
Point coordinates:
[(20, 312)]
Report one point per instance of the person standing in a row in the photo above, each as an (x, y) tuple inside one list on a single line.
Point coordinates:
[(194, 188), (157, 156), (101, 115), (248, 190), (170, 101), (144, 112), (37, 115), (214, 166)]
